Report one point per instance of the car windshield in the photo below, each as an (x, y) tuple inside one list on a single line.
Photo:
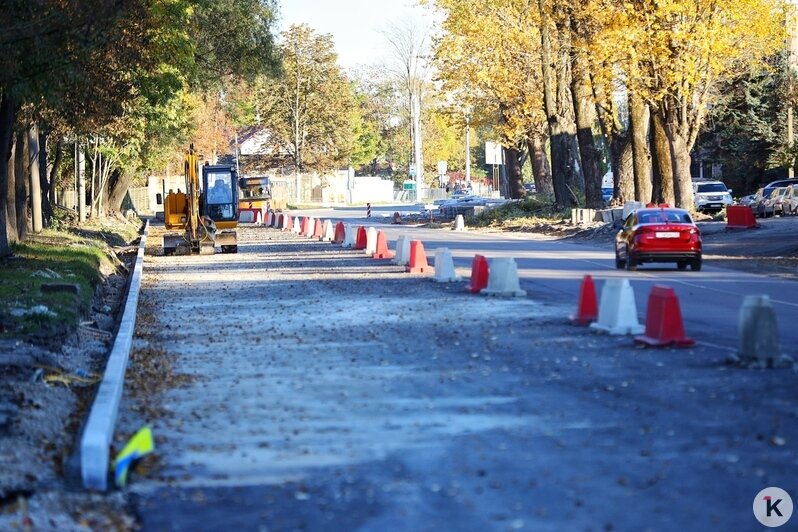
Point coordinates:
[(664, 217), (712, 187)]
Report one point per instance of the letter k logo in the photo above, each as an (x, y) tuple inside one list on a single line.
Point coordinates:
[(772, 506)]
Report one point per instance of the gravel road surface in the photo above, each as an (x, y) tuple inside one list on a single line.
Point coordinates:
[(329, 391)]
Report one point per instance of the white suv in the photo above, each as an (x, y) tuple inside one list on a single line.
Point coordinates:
[(711, 195)]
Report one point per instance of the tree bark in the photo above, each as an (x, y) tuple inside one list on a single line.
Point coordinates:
[(21, 181), (55, 171), (566, 176), (514, 175), (640, 127), (11, 203), (44, 183), (622, 168), (662, 150), (7, 115), (118, 183), (677, 132), (585, 111), (619, 141), (540, 164), (35, 183)]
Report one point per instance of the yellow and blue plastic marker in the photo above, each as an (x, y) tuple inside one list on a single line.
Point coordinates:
[(138, 446)]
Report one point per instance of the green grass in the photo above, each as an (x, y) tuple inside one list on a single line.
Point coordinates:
[(68, 255)]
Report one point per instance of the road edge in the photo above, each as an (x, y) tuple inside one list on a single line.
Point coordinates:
[(96, 440)]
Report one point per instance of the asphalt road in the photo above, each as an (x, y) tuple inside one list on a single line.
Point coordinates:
[(552, 270), (334, 392)]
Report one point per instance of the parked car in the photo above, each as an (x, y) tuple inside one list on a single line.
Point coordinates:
[(776, 200), (747, 200), (757, 202), (764, 205), (711, 195), (791, 200), (606, 194), (782, 183), (658, 235)]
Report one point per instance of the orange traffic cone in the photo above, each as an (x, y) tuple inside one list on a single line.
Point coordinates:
[(664, 325), (479, 274), (382, 251), (418, 258), (587, 308), (340, 233), (318, 230), (360, 243)]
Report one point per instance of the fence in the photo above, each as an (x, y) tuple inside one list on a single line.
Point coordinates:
[(137, 198)]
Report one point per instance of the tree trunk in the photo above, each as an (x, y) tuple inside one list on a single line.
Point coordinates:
[(44, 182), (639, 123), (11, 203), (118, 183), (662, 150), (540, 164), (680, 156), (622, 168), (21, 181), (7, 115), (585, 111), (566, 177), (55, 171), (514, 175), (35, 184)]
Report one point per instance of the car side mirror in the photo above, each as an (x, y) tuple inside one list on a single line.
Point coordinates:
[(159, 199), (729, 191)]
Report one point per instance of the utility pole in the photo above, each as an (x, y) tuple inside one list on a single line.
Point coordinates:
[(417, 141), (792, 67)]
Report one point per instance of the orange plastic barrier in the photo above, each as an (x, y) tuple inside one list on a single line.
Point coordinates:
[(740, 217)]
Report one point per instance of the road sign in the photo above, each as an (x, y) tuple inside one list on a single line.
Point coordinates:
[(442, 166), (493, 153)]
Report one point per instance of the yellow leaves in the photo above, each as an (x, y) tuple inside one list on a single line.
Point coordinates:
[(490, 49), (489, 52)]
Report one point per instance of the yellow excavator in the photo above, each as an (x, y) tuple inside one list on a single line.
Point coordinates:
[(206, 214)]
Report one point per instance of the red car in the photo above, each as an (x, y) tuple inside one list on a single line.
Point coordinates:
[(658, 235)]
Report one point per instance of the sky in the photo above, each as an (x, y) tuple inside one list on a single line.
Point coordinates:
[(354, 24)]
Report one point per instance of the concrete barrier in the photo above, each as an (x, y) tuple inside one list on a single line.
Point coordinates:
[(95, 444), (582, 216)]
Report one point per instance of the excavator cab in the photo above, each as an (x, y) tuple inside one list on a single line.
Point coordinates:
[(219, 202), (220, 197)]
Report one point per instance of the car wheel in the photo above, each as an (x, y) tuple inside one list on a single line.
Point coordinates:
[(682, 264), (631, 262), (695, 264)]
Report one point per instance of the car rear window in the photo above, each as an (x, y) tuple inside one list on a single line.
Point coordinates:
[(664, 217), (712, 187)]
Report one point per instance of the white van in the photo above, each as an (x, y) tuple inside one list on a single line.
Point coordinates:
[(711, 195)]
